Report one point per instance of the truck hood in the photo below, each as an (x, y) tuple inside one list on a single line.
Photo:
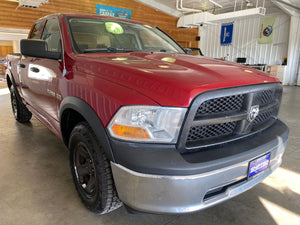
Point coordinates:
[(169, 79)]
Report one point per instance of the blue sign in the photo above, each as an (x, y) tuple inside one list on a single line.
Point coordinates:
[(259, 165), (104, 10), (226, 33)]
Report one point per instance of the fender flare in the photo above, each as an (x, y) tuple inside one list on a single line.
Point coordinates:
[(8, 74), (88, 113)]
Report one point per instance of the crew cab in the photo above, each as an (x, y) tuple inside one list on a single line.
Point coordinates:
[(145, 123)]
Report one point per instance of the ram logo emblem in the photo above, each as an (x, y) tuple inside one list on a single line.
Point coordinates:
[(253, 112)]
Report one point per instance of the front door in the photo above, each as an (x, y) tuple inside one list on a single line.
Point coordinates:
[(40, 75)]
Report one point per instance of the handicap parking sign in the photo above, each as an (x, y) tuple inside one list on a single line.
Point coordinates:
[(226, 33)]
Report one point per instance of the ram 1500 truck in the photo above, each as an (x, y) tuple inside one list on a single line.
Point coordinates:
[(145, 123)]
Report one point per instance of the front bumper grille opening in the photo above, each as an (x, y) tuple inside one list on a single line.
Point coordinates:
[(220, 190), (199, 133)]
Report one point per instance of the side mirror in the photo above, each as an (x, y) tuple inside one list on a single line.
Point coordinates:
[(188, 50), (197, 51), (37, 48)]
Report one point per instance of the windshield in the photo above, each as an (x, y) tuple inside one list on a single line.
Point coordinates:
[(91, 35)]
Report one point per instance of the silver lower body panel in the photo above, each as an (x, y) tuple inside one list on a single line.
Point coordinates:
[(185, 194)]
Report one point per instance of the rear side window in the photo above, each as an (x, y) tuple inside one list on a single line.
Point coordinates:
[(51, 35), (36, 30)]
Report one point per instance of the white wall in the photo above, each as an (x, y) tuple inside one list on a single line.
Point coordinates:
[(245, 41), (293, 52)]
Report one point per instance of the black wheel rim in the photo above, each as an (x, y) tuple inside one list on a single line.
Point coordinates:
[(85, 170), (14, 104)]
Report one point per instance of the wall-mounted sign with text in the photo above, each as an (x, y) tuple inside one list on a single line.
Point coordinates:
[(104, 10)]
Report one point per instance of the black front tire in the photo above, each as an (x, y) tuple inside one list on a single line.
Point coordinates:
[(91, 171), (20, 111)]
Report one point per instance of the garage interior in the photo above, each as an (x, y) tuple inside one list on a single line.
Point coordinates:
[(36, 185)]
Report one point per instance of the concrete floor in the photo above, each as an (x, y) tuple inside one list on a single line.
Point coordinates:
[(36, 185)]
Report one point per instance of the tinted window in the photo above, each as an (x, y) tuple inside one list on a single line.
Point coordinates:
[(36, 31), (51, 35)]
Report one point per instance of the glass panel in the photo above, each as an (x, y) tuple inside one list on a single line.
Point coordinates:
[(108, 35), (36, 31), (51, 35)]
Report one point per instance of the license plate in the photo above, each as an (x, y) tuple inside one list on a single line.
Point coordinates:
[(259, 165)]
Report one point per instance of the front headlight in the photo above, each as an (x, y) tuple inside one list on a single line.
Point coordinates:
[(147, 123)]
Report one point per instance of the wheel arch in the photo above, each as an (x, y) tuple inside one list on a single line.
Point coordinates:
[(9, 79), (74, 110), (11, 82)]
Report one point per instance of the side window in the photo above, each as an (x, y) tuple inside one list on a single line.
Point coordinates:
[(36, 30), (51, 35)]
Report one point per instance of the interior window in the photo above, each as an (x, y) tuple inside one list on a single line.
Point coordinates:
[(36, 30), (51, 35)]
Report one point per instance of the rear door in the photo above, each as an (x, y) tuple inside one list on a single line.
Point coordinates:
[(40, 75)]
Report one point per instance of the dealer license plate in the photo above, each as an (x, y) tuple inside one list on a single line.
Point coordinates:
[(259, 165)]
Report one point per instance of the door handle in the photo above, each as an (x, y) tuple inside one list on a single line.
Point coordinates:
[(34, 69), (21, 65)]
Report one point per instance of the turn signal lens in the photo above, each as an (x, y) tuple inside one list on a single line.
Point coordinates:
[(130, 132)]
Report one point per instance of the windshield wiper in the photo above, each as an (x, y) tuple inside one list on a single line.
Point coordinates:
[(159, 50), (110, 50)]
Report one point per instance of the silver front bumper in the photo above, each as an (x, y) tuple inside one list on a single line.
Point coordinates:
[(184, 194)]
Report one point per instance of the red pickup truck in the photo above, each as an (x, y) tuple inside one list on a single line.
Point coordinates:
[(146, 124)]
